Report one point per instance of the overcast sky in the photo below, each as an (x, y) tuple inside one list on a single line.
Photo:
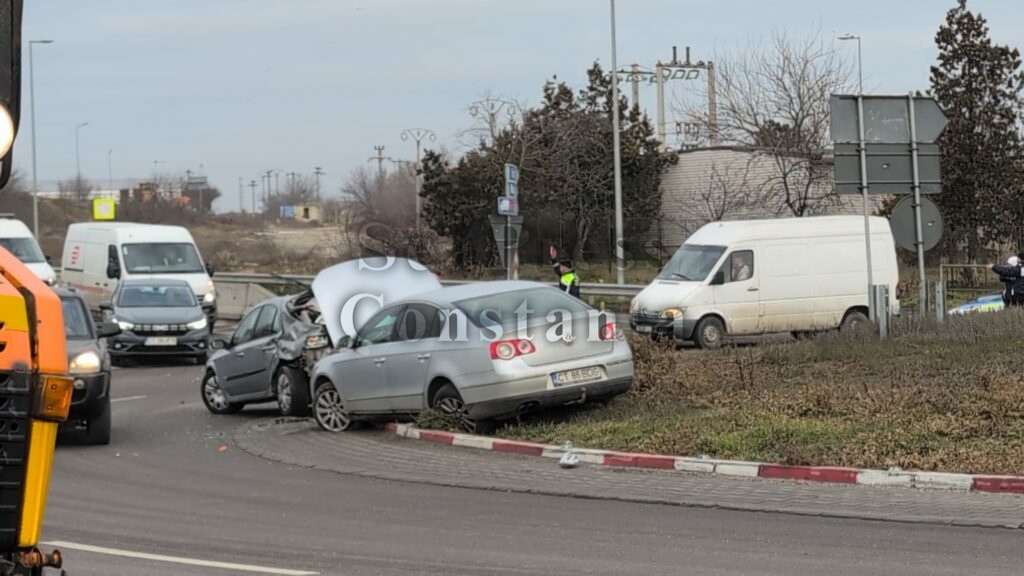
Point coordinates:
[(243, 86)]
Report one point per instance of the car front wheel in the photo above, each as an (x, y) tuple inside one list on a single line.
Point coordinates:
[(329, 409)]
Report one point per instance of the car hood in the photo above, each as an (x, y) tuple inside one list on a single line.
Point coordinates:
[(663, 294), (348, 294), (159, 315), (77, 346)]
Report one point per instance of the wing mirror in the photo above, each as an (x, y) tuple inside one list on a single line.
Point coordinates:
[(113, 271), (109, 329), (219, 344), (106, 306), (210, 269)]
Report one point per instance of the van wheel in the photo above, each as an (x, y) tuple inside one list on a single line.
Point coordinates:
[(710, 333), (854, 321)]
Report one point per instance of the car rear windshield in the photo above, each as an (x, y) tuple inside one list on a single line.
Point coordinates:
[(502, 307), (161, 258), (24, 249), (156, 296), (76, 320)]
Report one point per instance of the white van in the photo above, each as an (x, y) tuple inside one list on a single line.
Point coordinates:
[(99, 254), (752, 277), (16, 237)]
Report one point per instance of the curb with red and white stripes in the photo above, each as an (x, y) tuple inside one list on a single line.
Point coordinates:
[(893, 477)]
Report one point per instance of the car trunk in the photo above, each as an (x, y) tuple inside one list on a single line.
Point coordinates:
[(585, 341)]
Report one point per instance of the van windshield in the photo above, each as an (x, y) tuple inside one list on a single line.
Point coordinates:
[(692, 263), (161, 258), (24, 249)]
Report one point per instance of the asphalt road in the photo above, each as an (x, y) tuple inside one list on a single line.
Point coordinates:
[(173, 486)]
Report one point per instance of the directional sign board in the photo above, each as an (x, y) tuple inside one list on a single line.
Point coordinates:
[(512, 173), (888, 150), (104, 209), (508, 206)]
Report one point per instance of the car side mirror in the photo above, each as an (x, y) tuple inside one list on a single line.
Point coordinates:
[(113, 271), (210, 269), (719, 278), (106, 306), (49, 260), (109, 329), (219, 344)]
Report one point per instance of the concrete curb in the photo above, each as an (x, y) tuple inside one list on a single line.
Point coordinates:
[(894, 477)]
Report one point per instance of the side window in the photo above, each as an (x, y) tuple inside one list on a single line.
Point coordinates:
[(741, 265), (246, 328), (380, 328), (420, 322), (268, 322)]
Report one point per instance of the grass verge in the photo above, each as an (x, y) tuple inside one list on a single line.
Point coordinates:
[(946, 397)]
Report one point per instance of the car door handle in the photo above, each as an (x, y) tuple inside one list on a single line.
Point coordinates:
[(379, 361), (269, 348), (240, 354), (752, 289), (424, 356)]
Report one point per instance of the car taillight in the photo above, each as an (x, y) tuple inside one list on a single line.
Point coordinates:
[(608, 331), (509, 349)]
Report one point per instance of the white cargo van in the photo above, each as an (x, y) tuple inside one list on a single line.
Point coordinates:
[(754, 277), (16, 237), (99, 254)]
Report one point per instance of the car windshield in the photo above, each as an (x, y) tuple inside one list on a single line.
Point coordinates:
[(161, 258), (76, 319), (502, 307), (692, 263), (156, 296), (24, 249)]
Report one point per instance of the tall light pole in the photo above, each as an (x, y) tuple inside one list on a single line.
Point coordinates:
[(418, 135), (491, 108), (110, 171), (318, 172), (32, 97), (78, 162), (620, 259), (864, 173)]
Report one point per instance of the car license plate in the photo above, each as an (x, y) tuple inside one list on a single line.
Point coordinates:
[(161, 341), (645, 329), (576, 376)]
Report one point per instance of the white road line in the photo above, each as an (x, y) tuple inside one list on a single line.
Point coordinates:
[(179, 560), (127, 398)]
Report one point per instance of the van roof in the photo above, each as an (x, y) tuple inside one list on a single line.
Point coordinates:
[(126, 230), (10, 226), (728, 233), (122, 225)]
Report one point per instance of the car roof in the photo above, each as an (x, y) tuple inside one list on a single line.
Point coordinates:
[(154, 282), (65, 293), (453, 294)]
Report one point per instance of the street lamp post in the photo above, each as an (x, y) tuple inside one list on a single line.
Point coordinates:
[(863, 174), (491, 108), (78, 161), (418, 135), (620, 260), (32, 97), (110, 171)]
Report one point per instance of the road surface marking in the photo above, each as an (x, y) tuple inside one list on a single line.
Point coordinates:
[(127, 398), (179, 560)]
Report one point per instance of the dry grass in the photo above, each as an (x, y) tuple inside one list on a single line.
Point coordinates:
[(944, 397)]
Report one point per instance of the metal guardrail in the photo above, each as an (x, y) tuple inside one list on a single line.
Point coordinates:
[(587, 288)]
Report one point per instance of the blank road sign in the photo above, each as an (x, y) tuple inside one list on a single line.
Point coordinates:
[(904, 225), (889, 167)]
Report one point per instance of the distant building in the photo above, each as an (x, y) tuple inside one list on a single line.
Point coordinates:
[(742, 183), (302, 213)]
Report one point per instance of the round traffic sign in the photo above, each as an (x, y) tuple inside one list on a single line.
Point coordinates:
[(904, 227)]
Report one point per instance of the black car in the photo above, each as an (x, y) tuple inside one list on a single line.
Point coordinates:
[(89, 365), (157, 318)]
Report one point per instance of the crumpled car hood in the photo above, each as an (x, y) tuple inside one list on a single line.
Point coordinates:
[(350, 293)]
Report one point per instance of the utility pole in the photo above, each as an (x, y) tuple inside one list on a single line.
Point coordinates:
[(241, 195), (491, 108), (418, 135), (266, 198), (32, 99), (291, 183), (277, 183), (675, 65), (634, 77), (317, 171), (379, 158), (252, 186), (620, 264), (110, 171)]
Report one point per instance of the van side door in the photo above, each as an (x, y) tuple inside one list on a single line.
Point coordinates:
[(738, 296)]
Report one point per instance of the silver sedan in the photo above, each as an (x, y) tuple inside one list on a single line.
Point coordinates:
[(477, 353)]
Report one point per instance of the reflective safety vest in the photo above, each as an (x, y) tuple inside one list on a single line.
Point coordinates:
[(568, 279)]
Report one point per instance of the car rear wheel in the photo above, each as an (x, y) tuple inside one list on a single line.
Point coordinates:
[(292, 391), (710, 333), (329, 409), (97, 431), (449, 403), (215, 399)]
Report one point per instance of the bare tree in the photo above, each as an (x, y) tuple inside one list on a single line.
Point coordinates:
[(76, 189), (773, 97)]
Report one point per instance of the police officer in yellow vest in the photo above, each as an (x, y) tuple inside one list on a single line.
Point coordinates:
[(568, 281)]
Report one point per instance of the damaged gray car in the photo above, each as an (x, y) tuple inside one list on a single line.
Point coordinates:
[(268, 357)]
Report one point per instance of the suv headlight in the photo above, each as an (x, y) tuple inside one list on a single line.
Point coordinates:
[(123, 325), (85, 363), (197, 324)]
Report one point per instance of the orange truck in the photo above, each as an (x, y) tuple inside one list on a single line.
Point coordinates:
[(35, 390)]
